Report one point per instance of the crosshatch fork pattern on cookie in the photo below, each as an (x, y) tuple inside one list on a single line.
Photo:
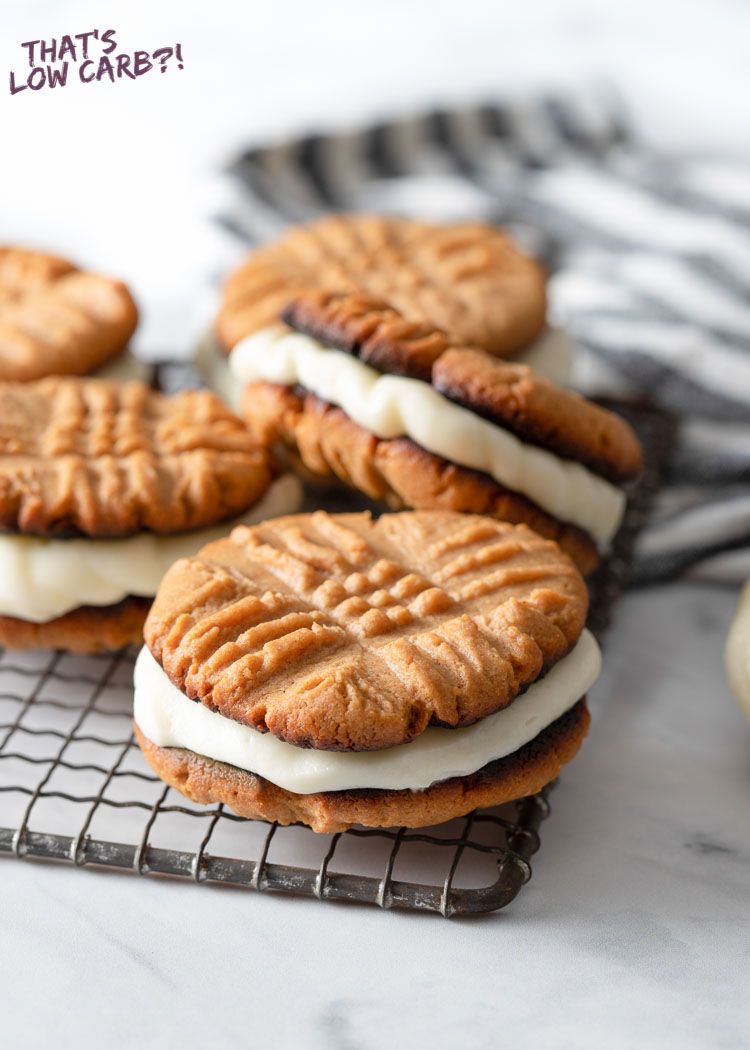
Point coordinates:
[(75, 788), (332, 616), (102, 459)]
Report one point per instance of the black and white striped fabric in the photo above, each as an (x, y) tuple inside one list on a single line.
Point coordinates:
[(650, 263)]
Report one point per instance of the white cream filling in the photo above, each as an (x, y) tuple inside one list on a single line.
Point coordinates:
[(41, 579), (169, 719), (392, 406), (552, 355)]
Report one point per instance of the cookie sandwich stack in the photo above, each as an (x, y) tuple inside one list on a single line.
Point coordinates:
[(56, 319), (339, 670), (349, 388), (102, 486)]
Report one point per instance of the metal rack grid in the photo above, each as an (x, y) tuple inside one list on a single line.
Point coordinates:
[(74, 787)]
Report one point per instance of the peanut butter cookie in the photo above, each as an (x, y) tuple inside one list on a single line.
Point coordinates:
[(469, 279), (56, 319), (335, 669)]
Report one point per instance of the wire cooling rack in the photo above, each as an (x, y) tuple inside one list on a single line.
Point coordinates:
[(74, 787)]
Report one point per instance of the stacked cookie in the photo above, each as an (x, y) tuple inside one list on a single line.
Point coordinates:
[(102, 486), (408, 365), (392, 408), (470, 280), (329, 669), (58, 320), (334, 670)]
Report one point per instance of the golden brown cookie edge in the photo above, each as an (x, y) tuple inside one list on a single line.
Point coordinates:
[(87, 629), (319, 678), (397, 471), (522, 773), (510, 395), (514, 397), (100, 346)]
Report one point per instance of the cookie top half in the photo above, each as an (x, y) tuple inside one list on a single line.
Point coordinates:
[(512, 395), (56, 319), (88, 457), (340, 632), (468, 279)]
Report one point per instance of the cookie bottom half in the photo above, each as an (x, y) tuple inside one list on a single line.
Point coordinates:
[(522, 773), (326, 442), (88, 629)]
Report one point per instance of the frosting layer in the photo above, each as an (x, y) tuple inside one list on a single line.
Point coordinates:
[(169, 719), (393, 406), (552, 355), (42, 579)]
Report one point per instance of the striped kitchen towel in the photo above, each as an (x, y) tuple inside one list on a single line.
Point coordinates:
[(650, 264)]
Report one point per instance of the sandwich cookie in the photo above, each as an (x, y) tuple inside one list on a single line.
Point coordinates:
[(58, 320), (395, 410), (102, 486), (470, 280), (340, 670)]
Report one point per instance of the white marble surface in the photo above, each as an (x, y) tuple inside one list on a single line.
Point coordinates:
[(634, 931)]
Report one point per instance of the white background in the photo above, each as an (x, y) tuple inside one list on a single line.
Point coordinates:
[(118, 175), (634, 930)]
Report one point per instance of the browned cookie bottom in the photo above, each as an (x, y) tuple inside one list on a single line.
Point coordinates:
[(329, 443), (524, 772), (88, 629)]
